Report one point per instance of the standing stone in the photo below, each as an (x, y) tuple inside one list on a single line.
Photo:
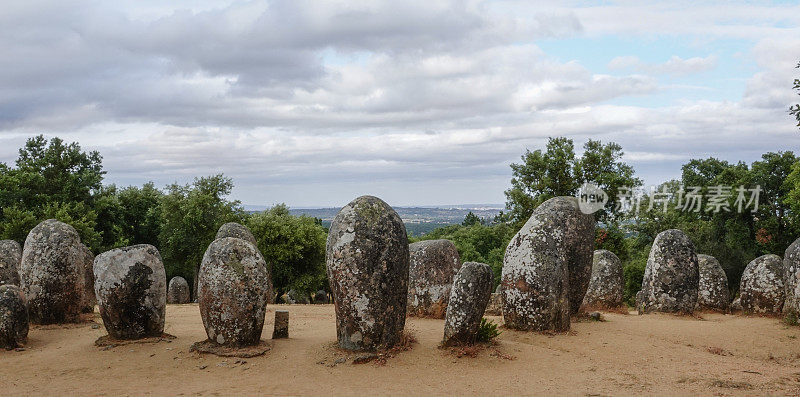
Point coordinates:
[(87, 272), (232, 292), (10, 257), (131, 289), (495, 306), (294, 297), (762, 286), (433, 265), (547, 267), (472, 287), (50, 273), (712, 289), (281, 329), (605, 288), (233, 229), (736, 305), (321, 297), (13, 317), (178, 291), (367, 263), (791, 276), (671, 278)]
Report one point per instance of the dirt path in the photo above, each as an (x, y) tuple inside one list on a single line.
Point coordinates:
[(628, 354)]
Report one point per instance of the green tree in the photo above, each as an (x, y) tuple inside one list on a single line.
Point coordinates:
[(557, 172), (795, 110), (140, 214), (294, 248), (190, 217), (471, 219)]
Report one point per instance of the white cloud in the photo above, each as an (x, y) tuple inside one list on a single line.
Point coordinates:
[(674, 66)]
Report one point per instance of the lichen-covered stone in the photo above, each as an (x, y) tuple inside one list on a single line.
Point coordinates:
[(50, 273), (178, 291), (762, 287), (671, 277), (712, 292), (10, 257), (321, 297), (233, 229), (433, 265), (131, 289), (736, 305), (89, 299), (232, 292), (791, 276), (367, 264), (469, 296), (606, 286), (547, 267), (495, 306), (13, 317), (295, 297), (281, 326)]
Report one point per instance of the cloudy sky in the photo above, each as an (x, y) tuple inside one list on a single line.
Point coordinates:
[(313, 103)]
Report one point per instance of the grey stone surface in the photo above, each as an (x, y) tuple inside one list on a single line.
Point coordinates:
[(367, 262), (50, 276), (495, 306), (10, 257), (89, 299), (736, 305), (321, 297), (712, 293), (232, 292), (178, 291), (233, 229), (547, 267), (294, 297), (671, 278), (791, 277), (281, 328), (472, 287), (131, 289), (606, 286), (13, 317), (762, 286), (433, 264)]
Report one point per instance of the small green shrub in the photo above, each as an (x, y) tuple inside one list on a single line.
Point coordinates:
[(487, 331), (791, 319)]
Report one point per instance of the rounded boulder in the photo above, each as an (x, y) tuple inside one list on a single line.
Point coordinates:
[(547, 267), (762, 286), (671, 277), (237, 230), (433, 264), (712, 291), (50, 272), (13, 317), (178, 291), (606, 285), (367, 262), (10, 257), (131, 289), (232, 292), (469, 297)]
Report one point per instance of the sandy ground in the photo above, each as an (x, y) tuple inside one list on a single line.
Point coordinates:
[(625, 355)]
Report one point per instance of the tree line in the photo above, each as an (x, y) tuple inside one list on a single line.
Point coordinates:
[(54, 179)]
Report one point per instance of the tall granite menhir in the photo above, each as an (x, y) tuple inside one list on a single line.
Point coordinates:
[(50, 273), (472, 287), (367, 262), (131, 289), (791, 278), (671, 278), (606, 287), (547, 267), (712, 293), (433, 265)]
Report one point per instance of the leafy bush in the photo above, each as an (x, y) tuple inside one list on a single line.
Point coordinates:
[(487, 331)]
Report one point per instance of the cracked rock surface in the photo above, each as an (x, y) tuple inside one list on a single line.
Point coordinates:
[(367, 261)]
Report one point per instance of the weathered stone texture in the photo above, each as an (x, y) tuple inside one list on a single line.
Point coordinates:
[(547, 267), (472, 287), (131, 289), (433, 265), (762, 286), (13, 317), (606, 286), (671, 278), (10, 257), (50, 273), (232, 292), (321, 297), (495, 306), (178, 291), (712, 290), (233, 229), (791, 276), (367, 263), (281, 328), (89, 299)]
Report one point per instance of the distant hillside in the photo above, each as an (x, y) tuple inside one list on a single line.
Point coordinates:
[(418, 220)]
